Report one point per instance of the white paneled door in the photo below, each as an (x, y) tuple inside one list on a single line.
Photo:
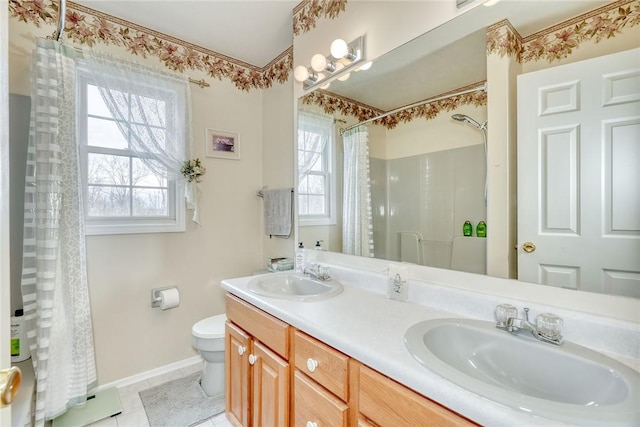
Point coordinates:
[(579, 175)]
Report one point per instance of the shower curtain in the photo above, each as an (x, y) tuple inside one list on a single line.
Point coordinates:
[(54, 280), (357, 227)]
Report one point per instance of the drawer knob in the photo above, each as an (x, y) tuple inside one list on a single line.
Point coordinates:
[(312, 364), (312, 424), (252, 359), (241, 350)]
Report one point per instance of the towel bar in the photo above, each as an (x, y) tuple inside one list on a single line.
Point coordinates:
[(261, 194)]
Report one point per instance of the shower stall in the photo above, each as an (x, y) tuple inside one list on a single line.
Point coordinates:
[(421, 201)]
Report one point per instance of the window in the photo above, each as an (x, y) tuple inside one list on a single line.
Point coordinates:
[(124, 190), (316, 170)]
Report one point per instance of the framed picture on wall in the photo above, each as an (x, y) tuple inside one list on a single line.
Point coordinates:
[(222, 144)]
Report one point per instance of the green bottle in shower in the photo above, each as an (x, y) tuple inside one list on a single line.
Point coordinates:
[(481, 229), (467, 228)]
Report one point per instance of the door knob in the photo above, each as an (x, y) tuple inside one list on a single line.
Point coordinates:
[(528, 247), (252, 359), (9, 384), (241, 350)]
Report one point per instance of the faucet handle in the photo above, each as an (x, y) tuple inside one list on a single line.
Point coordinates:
[(504, 312), (549, 325), (323, 272)]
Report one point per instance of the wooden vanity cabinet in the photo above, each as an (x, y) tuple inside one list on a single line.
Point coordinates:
[(257, 368), (278, 376), (383, 402)]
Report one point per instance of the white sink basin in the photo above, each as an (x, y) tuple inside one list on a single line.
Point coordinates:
[(569, 383), (294, 286)]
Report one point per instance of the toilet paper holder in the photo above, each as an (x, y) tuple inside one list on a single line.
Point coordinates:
[(155, 295)]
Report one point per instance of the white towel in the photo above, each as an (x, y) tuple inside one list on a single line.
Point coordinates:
[(277, 212)]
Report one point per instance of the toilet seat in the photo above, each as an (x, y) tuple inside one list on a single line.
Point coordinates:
[(210, 328)]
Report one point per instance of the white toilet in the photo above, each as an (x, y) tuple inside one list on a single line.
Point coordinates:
[(207, 336)]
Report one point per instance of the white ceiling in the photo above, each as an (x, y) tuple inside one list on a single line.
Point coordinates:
[(252, 31)]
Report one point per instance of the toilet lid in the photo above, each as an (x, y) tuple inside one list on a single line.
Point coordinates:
[(211, 327)]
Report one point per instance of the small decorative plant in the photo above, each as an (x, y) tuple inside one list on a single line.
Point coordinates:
[(193, 170)]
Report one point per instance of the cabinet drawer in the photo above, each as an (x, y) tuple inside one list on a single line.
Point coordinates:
[(314, 404), (272, 332), (328, 367), (387, 403)]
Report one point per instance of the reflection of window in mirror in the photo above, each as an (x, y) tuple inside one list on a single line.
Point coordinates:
[(316, 170)]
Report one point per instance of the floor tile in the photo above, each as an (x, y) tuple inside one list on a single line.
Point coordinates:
[(134, 388), (133, 419), (106, 422), (130, 402), (207, 423), (221, 421)]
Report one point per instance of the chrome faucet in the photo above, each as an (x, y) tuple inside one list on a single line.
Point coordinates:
[(547, 327), (317, 271)]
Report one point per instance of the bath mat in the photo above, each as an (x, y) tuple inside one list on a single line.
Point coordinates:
[(180, 402)]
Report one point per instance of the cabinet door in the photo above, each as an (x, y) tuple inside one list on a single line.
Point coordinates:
[(237, 350), (270, 403)]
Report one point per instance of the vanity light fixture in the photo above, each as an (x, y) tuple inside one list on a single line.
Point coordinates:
[(365, 67), (344, 58), (462, 3)]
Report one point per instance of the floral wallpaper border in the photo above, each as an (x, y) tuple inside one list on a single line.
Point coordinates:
[(504, 40), (559, 41), (88, 26), (307, 12), (331, 102)]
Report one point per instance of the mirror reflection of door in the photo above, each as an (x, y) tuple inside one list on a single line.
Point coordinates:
[(579, 203)]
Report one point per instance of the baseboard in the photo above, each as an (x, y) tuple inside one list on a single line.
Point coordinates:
[(150, 374)]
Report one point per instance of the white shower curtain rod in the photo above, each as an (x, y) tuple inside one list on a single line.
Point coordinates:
[(416, 104), (62, 12)]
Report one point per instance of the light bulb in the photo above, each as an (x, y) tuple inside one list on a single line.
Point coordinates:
[(339, 66), (366, 66), (301, 73), (318, 62), (345, 77), (339, 48)]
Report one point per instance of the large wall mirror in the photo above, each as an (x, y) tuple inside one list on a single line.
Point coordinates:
[(427, 177)]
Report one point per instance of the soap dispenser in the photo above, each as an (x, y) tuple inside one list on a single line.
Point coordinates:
[(299, 261), (318, 246)]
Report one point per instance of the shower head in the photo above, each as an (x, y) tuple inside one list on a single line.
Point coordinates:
[(467, 119)]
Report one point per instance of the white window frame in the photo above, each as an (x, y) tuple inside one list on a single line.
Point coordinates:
[(173, 222), (329, 157)]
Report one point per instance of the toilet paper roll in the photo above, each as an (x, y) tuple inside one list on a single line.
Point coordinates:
[(169, 298)]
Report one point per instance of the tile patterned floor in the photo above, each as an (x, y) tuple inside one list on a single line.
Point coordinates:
[(133, 414)]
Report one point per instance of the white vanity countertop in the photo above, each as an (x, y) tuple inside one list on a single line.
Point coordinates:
[(364, 324)]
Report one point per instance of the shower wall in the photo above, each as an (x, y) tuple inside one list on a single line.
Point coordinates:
[(427, 198), (19, 111)]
